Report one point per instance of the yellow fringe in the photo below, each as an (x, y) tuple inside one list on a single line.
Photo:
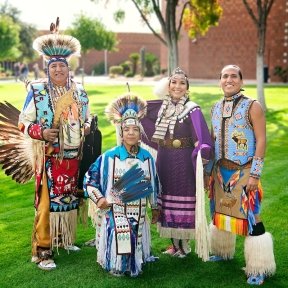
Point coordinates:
[(175, 232)]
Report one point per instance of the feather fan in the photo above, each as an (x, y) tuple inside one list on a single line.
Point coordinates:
[(131, 186), (18, 153)]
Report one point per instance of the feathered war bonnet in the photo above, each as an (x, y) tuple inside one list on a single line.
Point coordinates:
[(56, 47), (126, 110)]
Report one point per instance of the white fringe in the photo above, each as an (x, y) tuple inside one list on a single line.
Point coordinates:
[(259, 255), (202, 241), (222, 242), (63, 224), (92, 212), (34, 151), (150, 149), (146, 238), (161, 88), (102, 248)]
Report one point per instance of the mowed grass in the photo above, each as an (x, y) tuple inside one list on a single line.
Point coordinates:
[(81, 270)]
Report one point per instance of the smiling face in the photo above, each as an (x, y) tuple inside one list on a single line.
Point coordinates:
[(131, 136), (58, 72), (177, 87), (230, 80)]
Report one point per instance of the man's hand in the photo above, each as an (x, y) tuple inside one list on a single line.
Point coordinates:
[(86, 130), (103, 204), (206, 182), (50, 134), (252, 184)]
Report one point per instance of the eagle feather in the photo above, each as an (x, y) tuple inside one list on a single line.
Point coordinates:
[(18, 153)]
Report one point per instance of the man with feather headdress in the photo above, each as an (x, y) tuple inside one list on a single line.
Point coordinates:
[(121, 182), (56, 116)]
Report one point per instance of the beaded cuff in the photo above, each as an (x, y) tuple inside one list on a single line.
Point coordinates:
[(94, 194), (35, 131), (256, 168)]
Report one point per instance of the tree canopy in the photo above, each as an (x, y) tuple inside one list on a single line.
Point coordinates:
[(196, 16), (26, 34), (9, 38), (92, 34)]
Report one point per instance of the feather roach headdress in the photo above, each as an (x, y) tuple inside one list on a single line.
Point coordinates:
[(55, 45), (127, 110)]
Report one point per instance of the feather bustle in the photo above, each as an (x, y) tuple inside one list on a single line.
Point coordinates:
[(15, 149)]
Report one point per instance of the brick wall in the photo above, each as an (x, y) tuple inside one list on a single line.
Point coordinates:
[(234, 40), (128, 43)]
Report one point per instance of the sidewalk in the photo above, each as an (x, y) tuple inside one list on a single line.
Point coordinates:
[(146, 81)]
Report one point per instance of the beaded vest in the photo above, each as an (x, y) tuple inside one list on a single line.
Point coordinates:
[(45, 111), (234, 136)]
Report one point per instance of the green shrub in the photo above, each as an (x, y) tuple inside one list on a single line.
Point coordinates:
[(99, 69), (115, 70), (282, 73), (151, 64), (129, 74), (126, 67)]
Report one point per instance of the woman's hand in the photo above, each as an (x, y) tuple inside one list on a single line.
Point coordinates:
[(103, 203), (155, 216)]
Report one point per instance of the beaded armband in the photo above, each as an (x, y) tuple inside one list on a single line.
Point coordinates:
[(256, 168), (35, 131)]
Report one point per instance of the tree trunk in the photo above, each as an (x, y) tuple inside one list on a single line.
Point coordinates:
[(260, 80), (260, 62), (172, 56)]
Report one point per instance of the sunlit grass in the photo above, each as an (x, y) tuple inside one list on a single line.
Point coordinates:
[(81, 270)]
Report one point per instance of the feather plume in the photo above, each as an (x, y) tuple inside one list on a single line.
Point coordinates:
[(18, 153), (54, 44), (57, 45), (118, 107)]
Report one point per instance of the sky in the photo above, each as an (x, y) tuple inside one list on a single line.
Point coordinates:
[(42, 12)]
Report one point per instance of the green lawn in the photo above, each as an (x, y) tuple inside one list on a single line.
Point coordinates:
[(81, 270)]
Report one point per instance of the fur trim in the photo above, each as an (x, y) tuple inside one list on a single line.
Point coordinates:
[(161, 89), (222, 242), (259, 255)]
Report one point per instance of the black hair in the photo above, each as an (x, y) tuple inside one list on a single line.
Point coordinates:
[(235, 67)]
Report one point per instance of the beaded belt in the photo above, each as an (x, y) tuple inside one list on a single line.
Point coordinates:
[(228, 164), (177, 143)]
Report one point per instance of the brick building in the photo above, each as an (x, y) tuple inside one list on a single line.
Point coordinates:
[(234, 40), (128, 43)]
